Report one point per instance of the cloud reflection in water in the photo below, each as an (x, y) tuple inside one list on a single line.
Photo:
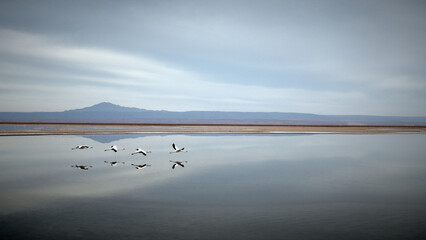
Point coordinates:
[(311, 179)]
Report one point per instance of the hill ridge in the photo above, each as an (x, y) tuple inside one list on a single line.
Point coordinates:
[(106, 112)]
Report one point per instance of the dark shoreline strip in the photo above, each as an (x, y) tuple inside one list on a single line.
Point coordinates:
[(211, 124)]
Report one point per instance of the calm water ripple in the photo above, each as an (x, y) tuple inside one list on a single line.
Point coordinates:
[(232, 187)]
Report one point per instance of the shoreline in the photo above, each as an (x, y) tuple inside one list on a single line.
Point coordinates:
[(36, 128)]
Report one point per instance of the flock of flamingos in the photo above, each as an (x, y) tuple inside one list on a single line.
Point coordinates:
[(138, 150)]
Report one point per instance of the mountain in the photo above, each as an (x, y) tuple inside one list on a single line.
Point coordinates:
[(110, 113), (107, 107)]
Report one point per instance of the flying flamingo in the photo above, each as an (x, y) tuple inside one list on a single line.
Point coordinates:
[(177, 149), (114, 148), (142, 166), (81, 147), (114, 163), (140, 150), (84, 167), (177, 163)]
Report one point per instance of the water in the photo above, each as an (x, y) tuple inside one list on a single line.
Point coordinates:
[(232, 187)]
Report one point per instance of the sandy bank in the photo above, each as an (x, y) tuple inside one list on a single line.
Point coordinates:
[(7, 129)]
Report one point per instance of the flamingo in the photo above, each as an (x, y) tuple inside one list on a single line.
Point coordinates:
[(177, 149), (84, 167), (140, 150), (114, 163), (142, 166), (81, 147), (114, 148), (177, 163)]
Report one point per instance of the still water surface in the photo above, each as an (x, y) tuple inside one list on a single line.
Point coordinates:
[(232, 187)]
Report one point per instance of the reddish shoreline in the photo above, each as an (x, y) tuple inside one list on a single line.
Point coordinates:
[(38, 128)]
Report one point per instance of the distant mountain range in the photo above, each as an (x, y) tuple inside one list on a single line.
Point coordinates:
[(110, 113)]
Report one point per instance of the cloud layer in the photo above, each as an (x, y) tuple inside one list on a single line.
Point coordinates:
[(291, 56)]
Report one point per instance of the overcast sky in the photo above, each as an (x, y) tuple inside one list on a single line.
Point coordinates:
[(324, 57)]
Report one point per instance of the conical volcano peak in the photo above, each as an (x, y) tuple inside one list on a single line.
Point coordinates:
[(108, 107)]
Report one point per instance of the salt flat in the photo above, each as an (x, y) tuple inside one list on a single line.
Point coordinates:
[(7, 129)]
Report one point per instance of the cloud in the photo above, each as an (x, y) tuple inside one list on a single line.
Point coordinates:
[(45, 73), (98, 74)]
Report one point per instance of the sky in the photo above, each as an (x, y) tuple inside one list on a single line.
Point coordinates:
[(334, 57)]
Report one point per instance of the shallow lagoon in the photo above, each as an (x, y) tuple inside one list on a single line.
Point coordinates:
[(320, 186)]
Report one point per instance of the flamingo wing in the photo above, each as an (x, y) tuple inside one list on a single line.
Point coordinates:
[(180, 164)]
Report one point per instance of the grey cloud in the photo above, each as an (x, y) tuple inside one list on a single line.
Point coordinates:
[(362, 48)]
